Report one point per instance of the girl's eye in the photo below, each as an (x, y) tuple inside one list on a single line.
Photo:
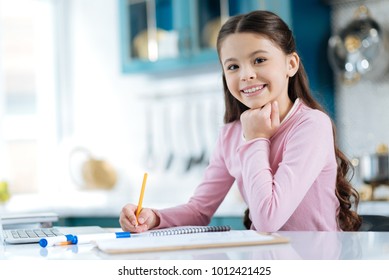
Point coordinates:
[(232, 67), (259, 60)]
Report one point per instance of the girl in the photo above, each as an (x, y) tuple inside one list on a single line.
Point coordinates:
[(277, 143)]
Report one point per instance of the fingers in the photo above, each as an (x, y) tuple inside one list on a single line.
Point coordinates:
[(129, 222), (125, 223), (153, 219), (148, 218), (261, 122), (129, 212), (127, 217)]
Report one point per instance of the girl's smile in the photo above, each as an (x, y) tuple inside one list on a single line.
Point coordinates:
[(253, 90)]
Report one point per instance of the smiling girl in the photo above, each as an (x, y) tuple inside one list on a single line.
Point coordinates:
[(277, 144)]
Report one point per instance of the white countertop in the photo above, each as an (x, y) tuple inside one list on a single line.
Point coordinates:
[(302, 246)]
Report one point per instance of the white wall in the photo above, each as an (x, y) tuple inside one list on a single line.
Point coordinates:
[(362, 108), (109, 107)]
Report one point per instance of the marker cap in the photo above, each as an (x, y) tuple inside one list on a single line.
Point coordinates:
[(124, 234), (43, 242)]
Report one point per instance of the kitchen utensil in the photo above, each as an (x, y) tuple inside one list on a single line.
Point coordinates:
[(359, 49), (153, 44), (374, 168), (146, 42), (210, 32), (93, 173), (194, 130), (181, 149), (168, 136)]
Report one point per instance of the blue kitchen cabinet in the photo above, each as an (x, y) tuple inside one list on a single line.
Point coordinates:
[(107, 221), (235, 223), (163, 35), (312, 29), (113, 221)]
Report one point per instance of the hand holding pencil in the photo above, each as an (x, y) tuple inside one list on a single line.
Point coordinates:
[(134, 218)]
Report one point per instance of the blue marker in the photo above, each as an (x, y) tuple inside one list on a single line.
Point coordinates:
[(88, 238), (52, 241)]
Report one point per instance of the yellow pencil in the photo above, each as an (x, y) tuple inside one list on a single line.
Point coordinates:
[(142, 192)]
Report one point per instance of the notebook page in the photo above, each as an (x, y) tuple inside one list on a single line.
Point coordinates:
[(187, 241)]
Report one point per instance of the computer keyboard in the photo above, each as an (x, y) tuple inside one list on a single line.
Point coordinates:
[(29, 235)]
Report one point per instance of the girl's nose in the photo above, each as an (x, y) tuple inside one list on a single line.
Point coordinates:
[(248, 73)]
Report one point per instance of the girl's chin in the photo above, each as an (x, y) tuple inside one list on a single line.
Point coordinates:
[(254, 105)]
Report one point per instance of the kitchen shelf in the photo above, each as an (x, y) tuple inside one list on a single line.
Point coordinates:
[(164, 35), (343, 2)]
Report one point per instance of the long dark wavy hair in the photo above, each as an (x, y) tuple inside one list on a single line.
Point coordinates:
[(274, 28)]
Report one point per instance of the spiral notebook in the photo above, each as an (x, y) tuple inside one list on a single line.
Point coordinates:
[(184, 230), (181, 241)]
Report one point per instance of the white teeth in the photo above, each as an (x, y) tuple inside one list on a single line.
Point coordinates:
[(251, 89)]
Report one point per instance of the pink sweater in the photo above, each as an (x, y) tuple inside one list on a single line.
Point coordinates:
[(288, 181)]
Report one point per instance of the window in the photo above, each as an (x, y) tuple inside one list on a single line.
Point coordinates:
[(29, 108)]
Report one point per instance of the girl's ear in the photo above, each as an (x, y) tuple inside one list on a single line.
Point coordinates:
[(293, 64)]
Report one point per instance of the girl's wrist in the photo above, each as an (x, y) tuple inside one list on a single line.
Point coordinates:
[(156, 220)]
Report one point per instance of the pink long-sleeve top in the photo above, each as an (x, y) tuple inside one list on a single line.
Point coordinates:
[(287, 181)]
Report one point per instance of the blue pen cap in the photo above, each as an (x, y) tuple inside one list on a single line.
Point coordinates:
[(123, 234), (69, 237), (43, 242)]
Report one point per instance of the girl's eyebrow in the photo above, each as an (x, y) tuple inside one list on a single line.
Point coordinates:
[(228, 60), (250, 55)]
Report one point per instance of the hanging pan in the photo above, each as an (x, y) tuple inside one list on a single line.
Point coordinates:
[(359, 49)]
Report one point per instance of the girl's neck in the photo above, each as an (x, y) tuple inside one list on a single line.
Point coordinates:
[(285, 107)]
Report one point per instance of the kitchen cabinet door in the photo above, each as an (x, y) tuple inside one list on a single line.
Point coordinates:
[(163, 35)]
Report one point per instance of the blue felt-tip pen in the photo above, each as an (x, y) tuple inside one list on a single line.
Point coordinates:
[(88, 238), (52, 241)]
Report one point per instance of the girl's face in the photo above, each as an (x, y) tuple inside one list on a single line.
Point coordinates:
[(256, 70)]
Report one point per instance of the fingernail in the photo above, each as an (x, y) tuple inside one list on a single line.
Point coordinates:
[(141, 220)]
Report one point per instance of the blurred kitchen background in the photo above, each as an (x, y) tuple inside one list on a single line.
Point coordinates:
[(93, 93)]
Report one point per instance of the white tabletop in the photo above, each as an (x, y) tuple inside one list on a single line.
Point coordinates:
[(303, 245)]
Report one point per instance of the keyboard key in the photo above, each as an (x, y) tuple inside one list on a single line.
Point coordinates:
[(30, 233), (40, 234), (22, 233)]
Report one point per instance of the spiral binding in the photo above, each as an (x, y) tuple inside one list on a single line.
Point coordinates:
[(187, 230)]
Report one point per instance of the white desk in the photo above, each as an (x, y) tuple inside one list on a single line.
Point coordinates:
[(303, 245)]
